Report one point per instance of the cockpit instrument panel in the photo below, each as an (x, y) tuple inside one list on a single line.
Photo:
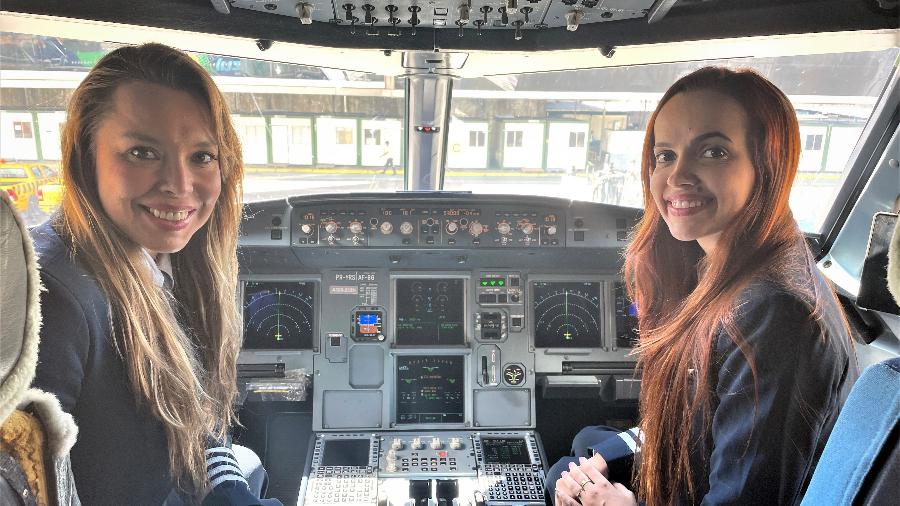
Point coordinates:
[(430, 389), (279, 315), (430, 311), (567, 314)]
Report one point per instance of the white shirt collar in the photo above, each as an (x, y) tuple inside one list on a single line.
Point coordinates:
[(160, 268)]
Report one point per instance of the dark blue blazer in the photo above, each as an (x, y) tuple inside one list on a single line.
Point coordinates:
[(121, 455)]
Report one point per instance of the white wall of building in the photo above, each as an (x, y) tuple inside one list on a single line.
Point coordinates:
[(51, 129), (841, 143), (812, 145), (336, 140), (252, 132), (292, 141), (17, 136), (380, 139), (523, 144), (467, 144), (567, 145)]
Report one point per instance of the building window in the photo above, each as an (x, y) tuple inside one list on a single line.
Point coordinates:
[(22, 129), (514, 139), (476, 139), (576, 139), (372, 137), (813, 142), (343, 135)]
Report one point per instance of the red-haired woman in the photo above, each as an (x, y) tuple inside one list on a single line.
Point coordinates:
[(745, 353)]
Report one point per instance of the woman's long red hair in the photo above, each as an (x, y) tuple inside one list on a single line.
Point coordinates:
[(681, 312)]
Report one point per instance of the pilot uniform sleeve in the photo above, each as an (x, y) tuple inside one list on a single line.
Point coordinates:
[(763, 448), (65, 343)]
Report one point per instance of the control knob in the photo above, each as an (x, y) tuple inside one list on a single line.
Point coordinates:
[(331, 227), (436, 443), (306, 228), (476, 229), (356, 227), (386, 227), (504, 228), (417, 444), (527, 228), (397, 444), (452, 227), (455, 443), (406, 228), (551, 230)]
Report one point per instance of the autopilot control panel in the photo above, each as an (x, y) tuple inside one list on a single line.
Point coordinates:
[(428, 324)]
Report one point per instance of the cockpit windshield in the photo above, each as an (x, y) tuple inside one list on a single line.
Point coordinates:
[(575, 134)]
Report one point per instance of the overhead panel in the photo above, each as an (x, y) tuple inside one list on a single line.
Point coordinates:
[(403, 17)]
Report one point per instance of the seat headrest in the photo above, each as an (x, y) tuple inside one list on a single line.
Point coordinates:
[(893, 270), (20, 315)]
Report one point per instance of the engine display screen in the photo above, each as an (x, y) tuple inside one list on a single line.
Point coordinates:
[(430, 389), (279, 315), (346, 452), (567, 314), (505, 450), (430, 312)]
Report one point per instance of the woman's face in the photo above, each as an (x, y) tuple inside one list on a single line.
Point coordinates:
[(704, 173), (157, 165)]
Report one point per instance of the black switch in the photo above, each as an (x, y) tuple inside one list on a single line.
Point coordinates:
[(335, 340), (276, 234), (487, 298), (579, 235)]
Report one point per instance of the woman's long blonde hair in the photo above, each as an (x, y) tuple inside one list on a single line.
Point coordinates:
[(181, 361), (682, 313)]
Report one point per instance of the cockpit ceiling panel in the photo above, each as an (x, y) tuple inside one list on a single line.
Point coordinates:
[(601, 23), (465, 16)]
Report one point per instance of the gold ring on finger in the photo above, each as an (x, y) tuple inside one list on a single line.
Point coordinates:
[(584, 482)]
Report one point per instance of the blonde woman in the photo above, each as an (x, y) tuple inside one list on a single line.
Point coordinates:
[(141, 331)]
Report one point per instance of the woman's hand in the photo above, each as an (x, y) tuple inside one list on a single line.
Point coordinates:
[(586, 484)]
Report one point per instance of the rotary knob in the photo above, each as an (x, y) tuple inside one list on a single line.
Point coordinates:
[(527, 228), (417, 444), (397, 444), (476, 229), (452, 227), (356, 227), (331, 227), (455, 443), (306, 228), (406, 228), (551, 230), (436, 443), (386, 227), (504, 228)]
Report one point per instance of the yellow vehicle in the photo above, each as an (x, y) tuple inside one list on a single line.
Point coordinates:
[(24, 183)]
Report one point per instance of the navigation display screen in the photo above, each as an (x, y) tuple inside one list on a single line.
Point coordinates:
[(567, 314), (503, 450), (279, 315), (430, 389), (430, 311), (346, 452)]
